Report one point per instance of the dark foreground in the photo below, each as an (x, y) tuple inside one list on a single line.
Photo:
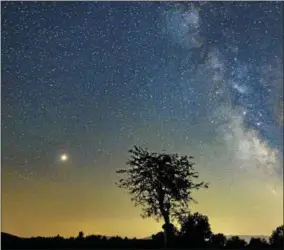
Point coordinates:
[(9, 241)]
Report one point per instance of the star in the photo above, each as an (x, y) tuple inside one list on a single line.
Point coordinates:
[(63, 157)]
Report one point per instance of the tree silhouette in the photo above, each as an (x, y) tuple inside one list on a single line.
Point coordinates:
[(80, 235), (235, 242), (257, 243), (218, 240), (195, 229), (276, 239), (160, 183)]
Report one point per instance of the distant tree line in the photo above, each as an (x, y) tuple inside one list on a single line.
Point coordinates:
[(195, 233)]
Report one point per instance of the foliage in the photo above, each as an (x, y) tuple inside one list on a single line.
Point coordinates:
[(161, 183), (235, 242), (258, 243), (195, 228), (218, 240), (277, 237), (80, 235)]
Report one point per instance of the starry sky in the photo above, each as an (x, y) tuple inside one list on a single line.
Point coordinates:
[(91, 79)]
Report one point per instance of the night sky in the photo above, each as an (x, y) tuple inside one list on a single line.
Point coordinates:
[(89, 80)]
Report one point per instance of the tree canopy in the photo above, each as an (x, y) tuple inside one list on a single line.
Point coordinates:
[(161, 183), (196, 228)]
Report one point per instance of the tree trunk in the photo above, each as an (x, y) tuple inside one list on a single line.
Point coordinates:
[(168, 230), (167, 227), (168, 234)]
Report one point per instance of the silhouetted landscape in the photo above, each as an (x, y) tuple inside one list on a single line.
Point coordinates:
[(215, 241), (161, 184)]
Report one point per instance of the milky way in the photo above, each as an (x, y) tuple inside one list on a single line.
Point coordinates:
[(90, 80), (231, 77)]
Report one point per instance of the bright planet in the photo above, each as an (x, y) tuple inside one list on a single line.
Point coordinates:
[(64, 157)]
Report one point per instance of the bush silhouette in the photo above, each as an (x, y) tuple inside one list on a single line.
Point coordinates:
[(218, 240), (235, 242), (80, 235), (195, 229), (276, 239), (258, 243)]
